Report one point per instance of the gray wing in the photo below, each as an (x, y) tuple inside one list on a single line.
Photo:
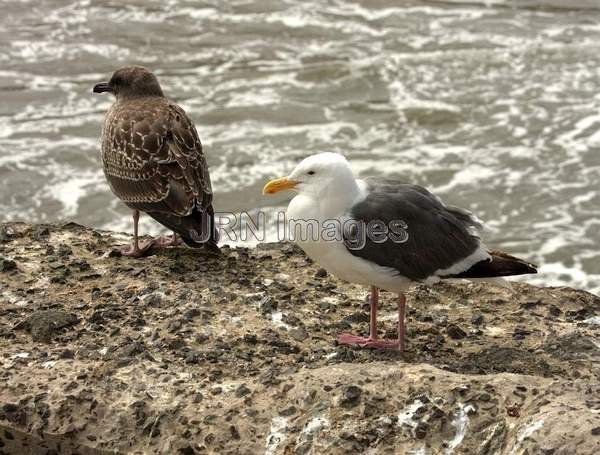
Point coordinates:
[(424, 235)]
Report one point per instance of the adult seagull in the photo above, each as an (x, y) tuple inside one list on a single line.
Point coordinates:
[(389, 236)]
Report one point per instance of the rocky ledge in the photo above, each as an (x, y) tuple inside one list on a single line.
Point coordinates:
[(186, 352)]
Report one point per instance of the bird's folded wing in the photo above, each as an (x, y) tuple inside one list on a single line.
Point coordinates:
[(185, 161), (424, 236), (158, 165)]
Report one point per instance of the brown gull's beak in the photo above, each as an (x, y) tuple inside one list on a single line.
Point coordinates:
[(277, 185), (102, 87)]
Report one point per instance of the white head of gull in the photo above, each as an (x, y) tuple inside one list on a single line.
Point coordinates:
[(384, 234)]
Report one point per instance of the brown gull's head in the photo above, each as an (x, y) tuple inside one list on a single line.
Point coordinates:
[(131, 82)]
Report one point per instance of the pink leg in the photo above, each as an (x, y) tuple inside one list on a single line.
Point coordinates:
[(137, 249), (165, 241), (401, 315), (372, 341), (374, 301)]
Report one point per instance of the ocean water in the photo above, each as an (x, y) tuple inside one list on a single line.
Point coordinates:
[(493, 105)]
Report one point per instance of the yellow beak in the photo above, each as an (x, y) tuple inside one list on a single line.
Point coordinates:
[(277, 185)]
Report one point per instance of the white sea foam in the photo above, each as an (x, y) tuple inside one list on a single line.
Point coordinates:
[(70, 191)]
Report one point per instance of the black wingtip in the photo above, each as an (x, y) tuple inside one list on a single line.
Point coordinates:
[(532, 268), (502, 264), (512, 265)]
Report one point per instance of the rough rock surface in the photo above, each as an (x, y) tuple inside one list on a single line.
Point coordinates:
[(183, 352)]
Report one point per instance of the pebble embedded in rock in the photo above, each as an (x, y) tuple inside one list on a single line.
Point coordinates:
[(437, 413), (6, 234), (455, 332), (188, 450), (154, 299), (13, 413), (134, 349), (267, 305), (242, 391), (324, 305), (477, 319), (64, 250), (235, 434), (554, 310), (250, 338), (193, 358), (191, 313), (43, 324), (6, 265), (42, 233), (298, 333), (351, 396), (485, 397), (421, 430), (288, 411), (114, 253), (67, 354), (70, 386), (321, 273)]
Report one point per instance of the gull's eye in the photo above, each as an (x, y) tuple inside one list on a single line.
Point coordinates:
[(311, 172)]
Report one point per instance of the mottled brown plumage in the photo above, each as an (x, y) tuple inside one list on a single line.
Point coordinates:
[(152, 157)]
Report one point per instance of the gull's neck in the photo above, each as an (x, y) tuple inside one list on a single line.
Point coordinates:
[(336, 199)]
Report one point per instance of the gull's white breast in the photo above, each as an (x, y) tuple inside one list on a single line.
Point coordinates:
[(333, 254)]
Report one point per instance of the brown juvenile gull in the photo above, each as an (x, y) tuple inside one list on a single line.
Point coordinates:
[(153, 161), (384, 234)]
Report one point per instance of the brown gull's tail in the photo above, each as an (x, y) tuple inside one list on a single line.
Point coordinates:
[(196, 230)]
